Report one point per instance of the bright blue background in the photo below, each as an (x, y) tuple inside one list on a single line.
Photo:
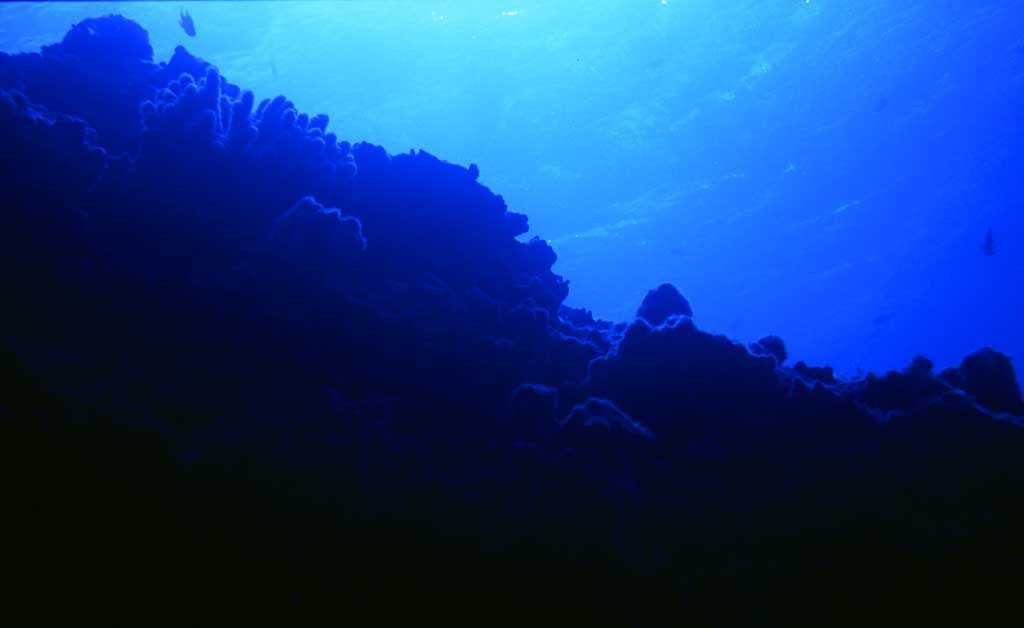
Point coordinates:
[(824, 170)]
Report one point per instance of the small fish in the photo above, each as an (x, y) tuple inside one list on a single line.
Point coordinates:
[(989, 247), (881, 104), (187, 24)]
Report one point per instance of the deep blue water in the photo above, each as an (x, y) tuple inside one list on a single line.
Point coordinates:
[(251, 362), (825, 171)]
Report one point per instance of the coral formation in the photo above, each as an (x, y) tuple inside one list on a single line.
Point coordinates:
[(662, 302), (278, 366)]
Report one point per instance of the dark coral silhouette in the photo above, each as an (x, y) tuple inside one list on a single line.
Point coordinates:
[(248, 360)]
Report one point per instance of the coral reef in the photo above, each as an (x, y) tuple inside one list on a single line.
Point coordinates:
[(247, 360)]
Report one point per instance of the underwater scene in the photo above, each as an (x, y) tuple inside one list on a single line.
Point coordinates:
[(588, 312)]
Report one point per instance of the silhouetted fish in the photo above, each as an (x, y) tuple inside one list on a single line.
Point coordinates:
[(989, 247), (187, 24), (882, 103)]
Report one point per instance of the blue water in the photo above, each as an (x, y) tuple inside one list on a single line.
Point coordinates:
[(825, 171), (247, 360)]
